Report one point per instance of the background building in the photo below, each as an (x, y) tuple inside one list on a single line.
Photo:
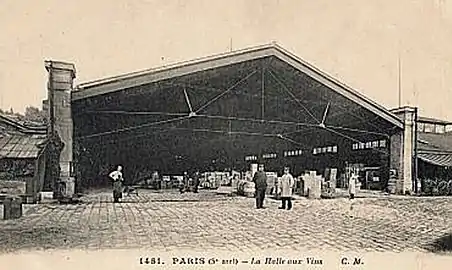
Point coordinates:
[(224, 112), (22, 157)]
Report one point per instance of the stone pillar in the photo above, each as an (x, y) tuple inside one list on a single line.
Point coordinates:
[(61, 77), (402, 150)]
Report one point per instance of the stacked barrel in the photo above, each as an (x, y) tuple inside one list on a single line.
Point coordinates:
[(246, 188)]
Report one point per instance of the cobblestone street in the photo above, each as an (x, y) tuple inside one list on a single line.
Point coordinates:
[(206, 221)]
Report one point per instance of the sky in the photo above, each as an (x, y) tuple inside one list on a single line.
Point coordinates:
[(358, 42)]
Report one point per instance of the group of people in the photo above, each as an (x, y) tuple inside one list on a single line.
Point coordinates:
[(285, 185), (118, 183), (185, 185)]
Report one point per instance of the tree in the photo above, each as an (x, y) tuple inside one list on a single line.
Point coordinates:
[(34, 114), (54, 147)]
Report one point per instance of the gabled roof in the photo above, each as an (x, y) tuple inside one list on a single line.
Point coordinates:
[(19, 146), (22, 141), (35, 128), (112, 84)]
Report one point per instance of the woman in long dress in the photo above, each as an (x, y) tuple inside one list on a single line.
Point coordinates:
[(117, 183)]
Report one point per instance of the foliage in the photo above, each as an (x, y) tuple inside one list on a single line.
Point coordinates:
[(55, 146), (34, 114), (16, 169), (437, 187)]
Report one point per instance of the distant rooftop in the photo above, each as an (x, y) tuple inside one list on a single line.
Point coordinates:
[(24, 125), (433, 120)]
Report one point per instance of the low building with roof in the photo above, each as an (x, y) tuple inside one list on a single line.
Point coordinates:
[(434, 149), (22, 157)]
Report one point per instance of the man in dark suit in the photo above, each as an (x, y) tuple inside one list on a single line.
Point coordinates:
[(195, 182), (260, 181)]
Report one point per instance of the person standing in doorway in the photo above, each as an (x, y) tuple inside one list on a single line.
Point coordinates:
[(286, 185), (118, 180), (260, 181)]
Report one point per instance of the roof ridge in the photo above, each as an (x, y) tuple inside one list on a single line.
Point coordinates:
[(177, 64)]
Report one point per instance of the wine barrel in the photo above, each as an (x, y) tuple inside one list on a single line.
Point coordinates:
[(249, 189), (392, 185), (245, 188)]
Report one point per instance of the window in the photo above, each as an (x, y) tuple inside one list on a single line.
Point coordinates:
[(420, 127), (272, 155), (440, 128), (71, 169), (448, 128), (66, 102), (429, 128), (290, 153)]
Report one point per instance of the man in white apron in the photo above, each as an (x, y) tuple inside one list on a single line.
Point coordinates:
[(117, 183), (286, 186), (352, 185)]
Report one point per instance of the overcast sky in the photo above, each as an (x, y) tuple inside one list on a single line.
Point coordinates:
[(355, 41)]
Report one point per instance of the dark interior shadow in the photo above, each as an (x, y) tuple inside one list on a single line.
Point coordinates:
[(442, 244)]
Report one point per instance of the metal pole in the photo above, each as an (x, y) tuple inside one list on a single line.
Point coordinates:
[(51, 100), (400, 81), (263, 92), (389, 162), (416, 185)]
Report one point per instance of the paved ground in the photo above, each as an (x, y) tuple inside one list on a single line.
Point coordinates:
[(207, 221)]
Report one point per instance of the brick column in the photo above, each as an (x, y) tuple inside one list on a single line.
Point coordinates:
[(61, 77), (402, 150)]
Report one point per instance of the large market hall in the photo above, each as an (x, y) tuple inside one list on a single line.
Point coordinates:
[(225, 112)]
